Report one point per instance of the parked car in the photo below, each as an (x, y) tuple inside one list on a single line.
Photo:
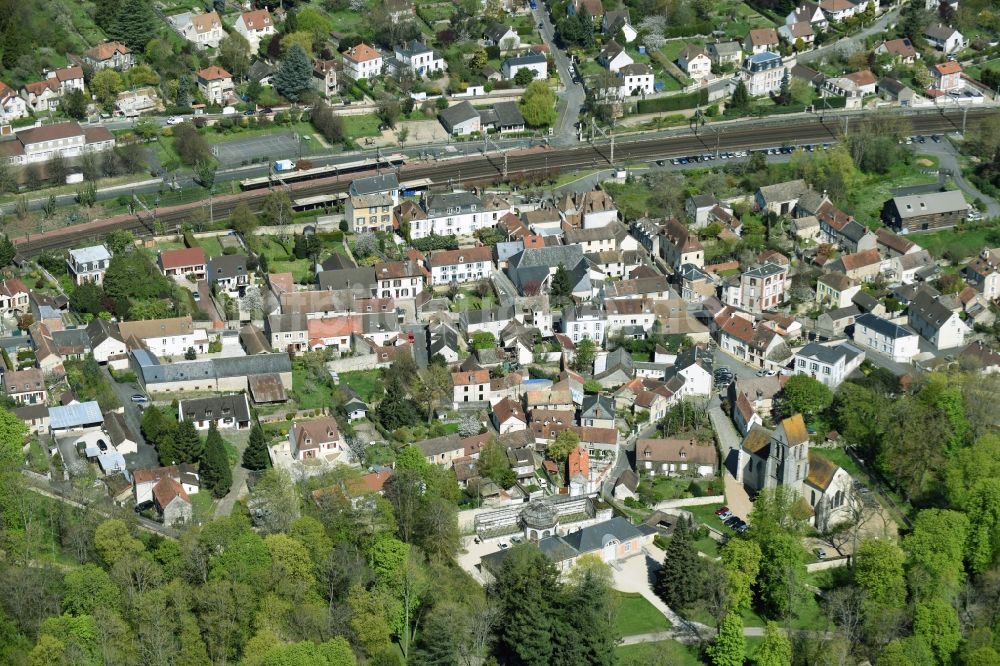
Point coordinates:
[(503, 546), (721, 510), (174, 120), (140, 399), (820, 553)]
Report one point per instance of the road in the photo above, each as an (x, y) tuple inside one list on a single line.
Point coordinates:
[(947, 157), (530, 163), (145, 457), (574, 95), (877, 27)]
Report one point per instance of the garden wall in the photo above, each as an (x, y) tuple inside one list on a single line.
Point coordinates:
[(690, 501)]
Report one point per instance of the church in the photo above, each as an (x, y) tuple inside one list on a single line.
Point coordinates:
[(781, 457)]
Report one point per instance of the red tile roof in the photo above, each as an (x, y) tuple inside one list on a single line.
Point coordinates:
[(190, 256), (257, 20), (214, 73), (578, 463), (469, 378), (106, 51), (361, 53), (166, 490), (950, 67)]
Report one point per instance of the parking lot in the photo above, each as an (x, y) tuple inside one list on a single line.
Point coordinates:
[(271, 146)]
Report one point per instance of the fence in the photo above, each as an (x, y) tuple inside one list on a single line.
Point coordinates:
[(352, 363)]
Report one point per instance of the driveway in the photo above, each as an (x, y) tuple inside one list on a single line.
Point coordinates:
[(729, 443), (574, 95), (238, 490), (146, 456), (206, 302), (947, 157)]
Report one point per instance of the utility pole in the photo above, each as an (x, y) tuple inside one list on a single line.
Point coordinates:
[(503, 152)]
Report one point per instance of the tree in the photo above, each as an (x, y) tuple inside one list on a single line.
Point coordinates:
[(206, 173), (586, 351), (878, 571), (729, 647), (494, 464), (88, 589), (119, 241), (432, 385), (7, 251), (191, 146), (114, 541), (327, 123), (563, 445), (561, 288), (295, 74), (74, 104), (234, 54), (775, 649), (483, 340), (188, 447), (524, 76), (106, 84), (255, 456), (522, 586), (805, 395), (274, 501), (134, 24), (214, 469), (300, 38), (243, 220), (538, 105), (935, 623), (388, 111), (741, 97), (395, 409), (676, 582), (935, 550), (741, 562), (277, 208)]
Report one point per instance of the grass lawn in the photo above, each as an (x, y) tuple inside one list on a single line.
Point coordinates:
[(872, 192), (358, 126), (237, 133), (975, 71), (637, 616), (211, 246), (708, 545), (663, 652), (202, 506), (309, 394), (366, 383), (956, 243)]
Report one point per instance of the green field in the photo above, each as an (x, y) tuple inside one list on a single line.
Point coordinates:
[(366, 383), (660, 652), (211, 246), (309, 394), (957, 244), (637, 616), (360, 126)]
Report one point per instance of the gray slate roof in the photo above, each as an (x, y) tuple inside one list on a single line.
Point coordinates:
[(883, 326)]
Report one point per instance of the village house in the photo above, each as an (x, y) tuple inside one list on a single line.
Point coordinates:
[(14, 298), (144, 480), (762, 73), (471, 387), (947, 76), (228, 273), (829, 365), (536, 63), (204, 30), (862, 266), (694, 61), (399, 279), (460, 266), (725, 54), (504, 36), (317, 439), (442, 450), (216, 84), (807, 12), (617, 23), (109, 55), (679, 246), (165, 337), (362, 62), (508, 416), (983, 273), (25, 387), (944, 38), (418, 58), (675, 457), (183, 262), (324, 76), (88, 264), (935, 322), (12, 106), (760, 288), (613, 57), (761, 40), (901, 50), (597, 411), (226, 411), (458, 213), (254, 26), (800, 35), (835, 290), (880, 335)]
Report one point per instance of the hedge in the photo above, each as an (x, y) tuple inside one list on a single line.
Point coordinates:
[(673, 103), (189, 240)]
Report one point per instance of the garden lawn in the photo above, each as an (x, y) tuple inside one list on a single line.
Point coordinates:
[(661, 652), (366, 383), (359, 126), (957, 244), (309, 394), (637, 616), (202, 506), (211, 246), (872, 192)]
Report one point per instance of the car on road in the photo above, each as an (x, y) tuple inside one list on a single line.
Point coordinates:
[(140, 399), (761, 372), (675, 161), (249, 112), (174, 120), (196, 295), (771, 373), (503, 546), (936, 138), (661, 163), (820, 553)]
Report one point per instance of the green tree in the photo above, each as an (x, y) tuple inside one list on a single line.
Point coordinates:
[(563, 445), (971, 465), (741, 562), (294, 75), (935, 550), (214, 470), (74, 104), (243, 220), (935, 623), (983, 541), (538, 105), (188, 447), (590, 611), (524, 76), (741, 98), (775, 649), (494, 464), (106, 84), (234, 54), (396, 410), (255, 456), (878, 571), (134, 24), (677, 581), (431, 386), (805, 395), (586, 352), (523, 585), (7, 251), (275, 500), (729, 647), (483, 340), (277, 208), (561, 288), (114, 542), (87, 589), (190, 145)]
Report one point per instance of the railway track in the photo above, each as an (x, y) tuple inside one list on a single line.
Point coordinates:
[(490, 167)]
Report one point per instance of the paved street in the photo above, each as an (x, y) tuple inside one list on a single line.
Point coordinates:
[(947, 157), (877, 27), (574, 95)]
